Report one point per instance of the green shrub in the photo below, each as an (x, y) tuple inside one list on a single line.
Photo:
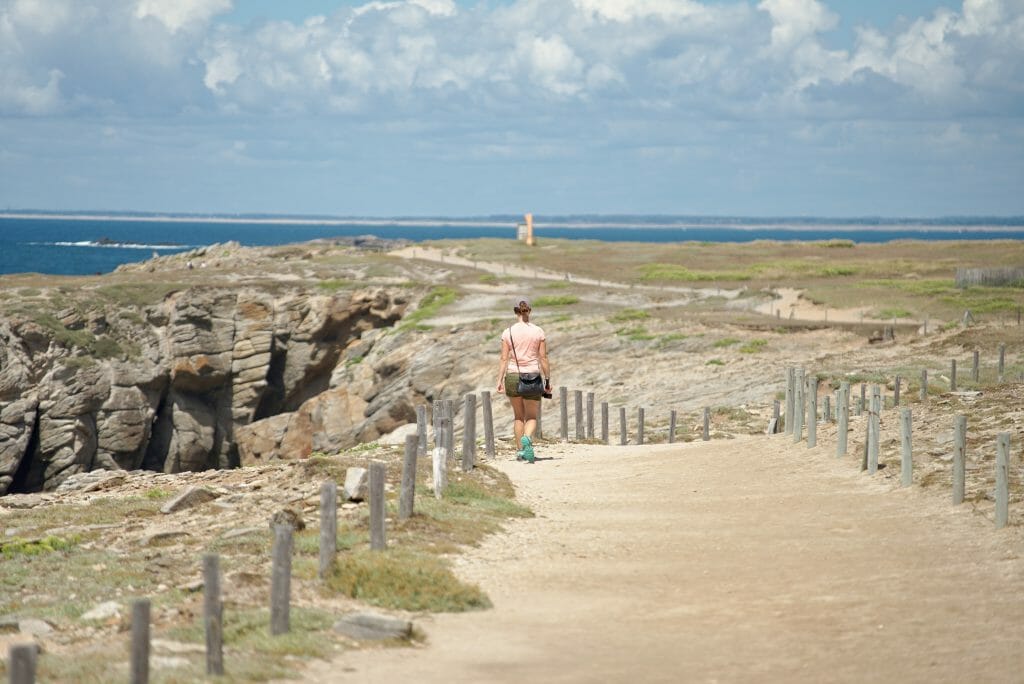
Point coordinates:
[(556, 300)]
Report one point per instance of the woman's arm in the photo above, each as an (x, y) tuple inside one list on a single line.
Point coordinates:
[(503, 365)]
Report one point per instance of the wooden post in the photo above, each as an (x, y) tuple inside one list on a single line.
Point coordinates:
[(213, 614), (488, 416), (907, 458), (1002, 361), (798, 406), (959, 458), (707, 424), (469, 433), (672, 423), (896, 391), (281, 581), (139, 666), (952, 375), (377, 507), (842, 418), (623, 437), (449, 437), (812, 411), (863, 399), (790, 379), (21, 663), (329, 521), (1002, 480), (826, 411), (407, 496), (976, 366), (604, 422), (640, 426), (563, 400), (924, 386), (590, 415), (874, 428), (421, 429), (577, 403)]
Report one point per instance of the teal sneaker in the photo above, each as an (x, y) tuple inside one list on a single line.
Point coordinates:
[(528, 455)]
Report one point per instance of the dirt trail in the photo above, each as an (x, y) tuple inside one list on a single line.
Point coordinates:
[(751, 559)]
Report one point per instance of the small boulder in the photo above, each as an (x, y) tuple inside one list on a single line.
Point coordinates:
[(104, 611), (373, 626), (357, 484), (287, 516), (191, 497)]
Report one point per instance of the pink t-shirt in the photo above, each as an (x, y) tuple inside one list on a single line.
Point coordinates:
[(527, 338)]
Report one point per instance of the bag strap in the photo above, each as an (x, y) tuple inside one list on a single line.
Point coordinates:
[(512, 340)]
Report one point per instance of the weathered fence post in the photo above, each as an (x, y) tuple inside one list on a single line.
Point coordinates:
[(874, 428), (812, 411), (826, 411), (329, 521), (706, 434), (1002, 480), (590, 415), (959, 458), (21, 663), (439, 460), (842, 418), (863, 406), (1002, 361), (672, 423), (798, 406), (488, 418), (577, 404), (281, 581), (213, 614), (623, 436), (604, 422), (952, 375), (563, 400), (449, 435), (896, 391), (924, 386), (469, 433), (790, 381), (407, 497), (976, 366), (421, 429), (906, 449), (139, 665), (640, 426), (377, 501)]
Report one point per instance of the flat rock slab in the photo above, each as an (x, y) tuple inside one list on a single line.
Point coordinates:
[(191, 497), (357, 484), (373, 626)]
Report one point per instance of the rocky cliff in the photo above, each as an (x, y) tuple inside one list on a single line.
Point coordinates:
[(207, 377)]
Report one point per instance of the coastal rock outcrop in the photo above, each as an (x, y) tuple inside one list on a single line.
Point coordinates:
[(209, 377)]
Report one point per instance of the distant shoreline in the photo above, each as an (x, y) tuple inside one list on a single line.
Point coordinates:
[(850, 225)]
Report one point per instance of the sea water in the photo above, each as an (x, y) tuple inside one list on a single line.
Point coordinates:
[(79, 246)]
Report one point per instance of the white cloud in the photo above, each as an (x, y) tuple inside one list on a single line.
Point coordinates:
[(179, 14), (794, 21)]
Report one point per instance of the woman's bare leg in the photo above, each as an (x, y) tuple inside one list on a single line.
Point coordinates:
[(530, 410), (519, 411)]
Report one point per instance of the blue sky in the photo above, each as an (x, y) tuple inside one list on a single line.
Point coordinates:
[(444, 107)]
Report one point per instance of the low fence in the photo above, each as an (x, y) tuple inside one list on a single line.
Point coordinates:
[(966, 277)]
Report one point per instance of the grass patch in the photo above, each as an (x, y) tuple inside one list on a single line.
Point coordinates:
[(403, 580), (430, 305), (666, 340), (335, 285), (16, 546), (892, 313), (676, 273), (137, 294), (725, 342), (715, 362), (635, 334), (555, 300), (627, 315), (753, 346)]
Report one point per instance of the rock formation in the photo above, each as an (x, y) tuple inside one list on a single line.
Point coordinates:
[(216, 375)]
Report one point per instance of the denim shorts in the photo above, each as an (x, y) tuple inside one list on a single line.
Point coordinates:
[(511, 383)]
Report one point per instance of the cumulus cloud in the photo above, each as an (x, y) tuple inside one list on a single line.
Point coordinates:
[(394, 57)]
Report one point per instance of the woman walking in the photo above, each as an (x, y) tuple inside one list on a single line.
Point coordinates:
[(524, 356)]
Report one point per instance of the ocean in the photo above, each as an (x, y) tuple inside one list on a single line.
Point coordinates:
[(65, 245)]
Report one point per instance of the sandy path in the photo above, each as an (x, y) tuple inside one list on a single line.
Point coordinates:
[(736, 560)]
